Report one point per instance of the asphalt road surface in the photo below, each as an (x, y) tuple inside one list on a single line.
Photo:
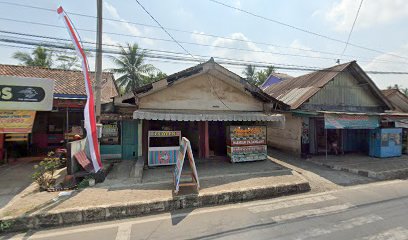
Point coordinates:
[(373, 211)]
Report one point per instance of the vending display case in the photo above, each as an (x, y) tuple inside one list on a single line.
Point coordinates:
[(163, 147), (385, 142), (246, 143)]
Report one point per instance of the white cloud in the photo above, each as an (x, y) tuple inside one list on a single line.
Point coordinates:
[(298, 48), (342, 13), (378, 64), (123, 25), (200, 38), (228, 48)]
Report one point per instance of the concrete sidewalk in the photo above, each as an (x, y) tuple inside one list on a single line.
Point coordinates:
[(119, 198), (377, 168)]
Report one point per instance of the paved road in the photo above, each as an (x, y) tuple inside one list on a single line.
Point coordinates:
[(373, 211)]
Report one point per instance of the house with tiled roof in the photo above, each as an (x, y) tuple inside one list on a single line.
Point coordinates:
[(69, 84), (52, 127)]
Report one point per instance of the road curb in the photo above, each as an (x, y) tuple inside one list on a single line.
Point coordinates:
[(382, 175), (113, 212)]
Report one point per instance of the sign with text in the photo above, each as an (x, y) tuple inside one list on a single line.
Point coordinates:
[(348, 121), (247, 153), (16, 121), (20, 93), (185, 147), (246, 143)]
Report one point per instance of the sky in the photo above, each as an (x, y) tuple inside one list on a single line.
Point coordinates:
[(381, 26)]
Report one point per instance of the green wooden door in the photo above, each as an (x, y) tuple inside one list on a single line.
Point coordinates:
[(129, 139)]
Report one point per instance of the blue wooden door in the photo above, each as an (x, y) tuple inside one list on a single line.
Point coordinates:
[(129, 139)]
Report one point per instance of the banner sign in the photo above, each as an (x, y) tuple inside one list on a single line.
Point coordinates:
[(20, 93), (347, 121), (247, 153), (164, 133), (246, 143), (16, 121), (247, 132), (110, 130), (89, 110), (185, 147)]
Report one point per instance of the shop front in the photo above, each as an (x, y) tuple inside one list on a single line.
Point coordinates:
[(222, 115), (224, 139), (21, 99), (54, 128), (340, 133), (119, 137)]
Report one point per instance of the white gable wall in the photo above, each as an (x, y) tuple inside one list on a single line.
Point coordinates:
[(202, 92)]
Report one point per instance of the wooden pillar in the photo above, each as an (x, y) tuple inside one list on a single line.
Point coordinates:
[(2, 150), (145, 132), (204, 143)]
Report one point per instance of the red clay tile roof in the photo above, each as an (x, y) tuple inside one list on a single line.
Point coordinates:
[(70, 82)]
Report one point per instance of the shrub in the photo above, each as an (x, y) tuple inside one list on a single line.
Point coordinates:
[(45, 170)]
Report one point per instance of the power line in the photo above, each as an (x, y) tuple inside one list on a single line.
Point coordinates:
[(207, 45), (223, 62), (302, 29), (198, 33), (352, 27), (154, 19)]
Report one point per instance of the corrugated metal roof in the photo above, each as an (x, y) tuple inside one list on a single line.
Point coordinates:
[(296, 91), (397, 99), (177, 115)]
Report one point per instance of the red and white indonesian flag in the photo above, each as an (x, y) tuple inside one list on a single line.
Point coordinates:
[(89, 111)]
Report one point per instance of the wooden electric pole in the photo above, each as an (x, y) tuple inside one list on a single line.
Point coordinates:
[(98, 61)]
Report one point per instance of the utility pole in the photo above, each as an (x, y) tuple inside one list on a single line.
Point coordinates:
[(98, 61)]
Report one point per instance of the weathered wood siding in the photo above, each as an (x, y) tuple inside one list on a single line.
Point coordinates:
[(344, 93), (201, 93), (287, 138)]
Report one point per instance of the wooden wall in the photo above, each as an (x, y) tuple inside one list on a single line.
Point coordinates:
[(288, 137), (344, 93)]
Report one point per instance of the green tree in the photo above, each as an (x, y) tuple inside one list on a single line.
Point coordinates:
[(250, 74), (69, 60), (264, 74), (257, 77), (41, 57), (131, 67), (155, 76)]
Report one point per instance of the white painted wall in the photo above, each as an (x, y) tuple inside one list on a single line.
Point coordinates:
[(203, 92), (287, 138)]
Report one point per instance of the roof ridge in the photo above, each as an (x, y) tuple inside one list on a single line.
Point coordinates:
[(46, 68)]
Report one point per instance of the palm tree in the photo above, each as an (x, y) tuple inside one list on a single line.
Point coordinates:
[(130, 65), (264, 74), (41, 57), (250, 74), (68, 60)]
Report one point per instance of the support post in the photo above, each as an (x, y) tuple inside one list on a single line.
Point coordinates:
[(203, 138), (98, 61), (325, 136), (67, 120), (145, 133), (206, 140)]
